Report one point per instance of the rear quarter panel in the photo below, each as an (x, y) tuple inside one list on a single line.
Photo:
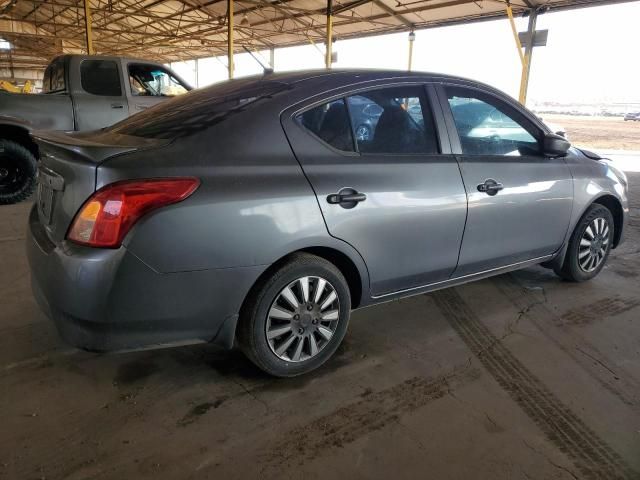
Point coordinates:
[(254, 204)]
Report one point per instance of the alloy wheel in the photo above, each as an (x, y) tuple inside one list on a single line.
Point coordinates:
[(593, 244), (302, 319)]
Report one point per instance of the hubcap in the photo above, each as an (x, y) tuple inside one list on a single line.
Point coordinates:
[(302, 319), (593, 245)]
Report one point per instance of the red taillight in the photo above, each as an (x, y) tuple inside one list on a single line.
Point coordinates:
[(107, 216)]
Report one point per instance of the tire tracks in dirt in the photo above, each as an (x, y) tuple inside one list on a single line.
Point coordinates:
[(373, 412), (583, 352), (589, 453)]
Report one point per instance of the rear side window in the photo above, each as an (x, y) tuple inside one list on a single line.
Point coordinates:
[(53, 80), (487, 126), (100, 77), (330, 122), (394, 121)]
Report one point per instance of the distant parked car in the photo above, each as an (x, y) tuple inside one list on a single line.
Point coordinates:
[(634, 117), (249, 213)]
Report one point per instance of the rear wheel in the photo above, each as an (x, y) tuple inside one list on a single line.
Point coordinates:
[(295, 320), (17, 172), (589, 245)]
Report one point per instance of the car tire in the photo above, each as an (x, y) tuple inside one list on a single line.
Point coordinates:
[(589, 246), (316, 327), (17, 172)]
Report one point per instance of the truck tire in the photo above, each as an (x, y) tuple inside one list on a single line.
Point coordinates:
[(17, 172)]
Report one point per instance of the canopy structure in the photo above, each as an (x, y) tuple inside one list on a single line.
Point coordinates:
[(174, 30)]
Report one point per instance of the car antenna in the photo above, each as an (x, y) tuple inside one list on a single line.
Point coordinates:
[(265, 70)]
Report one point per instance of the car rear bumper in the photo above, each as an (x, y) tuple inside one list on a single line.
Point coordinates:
[(105, 300)]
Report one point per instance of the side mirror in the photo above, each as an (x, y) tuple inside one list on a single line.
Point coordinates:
[(555, 145)]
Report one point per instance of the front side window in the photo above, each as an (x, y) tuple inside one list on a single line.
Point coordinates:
[(153, 81), (100, 77), (486, 126), (329, 122), (393, 120)]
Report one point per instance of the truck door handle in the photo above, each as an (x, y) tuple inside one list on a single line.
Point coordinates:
[(490, 187), (142, 107), (346, 198), (117, 105)]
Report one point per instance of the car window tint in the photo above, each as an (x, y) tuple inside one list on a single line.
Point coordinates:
[(100, 77), (193, 112), (393, 120), (485, 127), (153, 81), (330, 123)]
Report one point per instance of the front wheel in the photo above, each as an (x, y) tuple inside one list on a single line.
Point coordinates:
[(589, 246), (294, 320), (17, 172)]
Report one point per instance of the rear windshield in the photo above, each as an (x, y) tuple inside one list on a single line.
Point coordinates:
[(197, 110)]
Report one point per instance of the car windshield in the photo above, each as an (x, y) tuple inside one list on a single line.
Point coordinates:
[(151, 80), (197, 110)]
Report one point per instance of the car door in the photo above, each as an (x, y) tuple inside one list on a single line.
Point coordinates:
[(395, 194), (149, 85), (100, 100), (520, 200)]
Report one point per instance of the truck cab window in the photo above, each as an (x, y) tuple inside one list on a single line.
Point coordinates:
[(100, 77), (153, 81), (53, 81)]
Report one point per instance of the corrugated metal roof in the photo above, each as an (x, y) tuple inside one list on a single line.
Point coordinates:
[(172, 30)]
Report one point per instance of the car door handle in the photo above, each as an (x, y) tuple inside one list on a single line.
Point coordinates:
[(142, 107), (490, 187), (346, 198), (117, 105)]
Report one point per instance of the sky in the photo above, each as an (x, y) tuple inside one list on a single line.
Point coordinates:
[(592, 56)]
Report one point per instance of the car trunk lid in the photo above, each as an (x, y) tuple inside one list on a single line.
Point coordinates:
[(67, 172)]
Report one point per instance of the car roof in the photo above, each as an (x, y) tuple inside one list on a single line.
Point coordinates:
[(336, 78), (346, 75), (106, 57)]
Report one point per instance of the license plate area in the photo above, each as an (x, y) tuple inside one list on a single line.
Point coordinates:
[(49, 183)]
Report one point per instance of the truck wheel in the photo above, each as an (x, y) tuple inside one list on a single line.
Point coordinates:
[(17, 172)]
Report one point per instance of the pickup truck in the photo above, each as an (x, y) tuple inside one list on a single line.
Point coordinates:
[(79, 93)]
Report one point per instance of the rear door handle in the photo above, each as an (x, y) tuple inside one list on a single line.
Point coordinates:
[(117, 105), (346, 198), (490, 187)]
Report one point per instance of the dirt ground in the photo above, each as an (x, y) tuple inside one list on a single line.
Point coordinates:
[(521, 376), (605, 133)]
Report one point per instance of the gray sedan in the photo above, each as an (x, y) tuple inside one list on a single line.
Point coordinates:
[(252, 212)]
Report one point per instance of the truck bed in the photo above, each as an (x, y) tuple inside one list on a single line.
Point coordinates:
[(44, 111)]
